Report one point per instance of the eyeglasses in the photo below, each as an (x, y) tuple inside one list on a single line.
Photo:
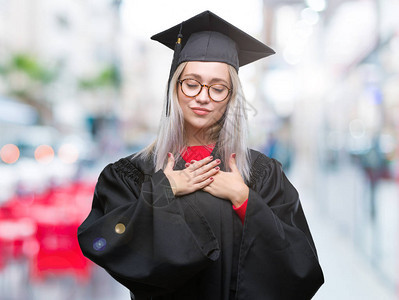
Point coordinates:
[(191, 88)]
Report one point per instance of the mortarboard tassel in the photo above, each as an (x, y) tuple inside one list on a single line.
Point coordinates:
[(173, 67)]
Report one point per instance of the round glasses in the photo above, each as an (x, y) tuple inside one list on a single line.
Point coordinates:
[(191, 88)]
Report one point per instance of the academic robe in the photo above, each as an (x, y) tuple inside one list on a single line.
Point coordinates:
[(163, 247)]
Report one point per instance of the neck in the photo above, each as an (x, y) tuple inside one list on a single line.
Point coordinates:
[(198, 137)]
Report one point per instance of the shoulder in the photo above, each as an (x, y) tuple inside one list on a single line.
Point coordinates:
[(262, 166), (135, 162), (134, 167), (259, 159)]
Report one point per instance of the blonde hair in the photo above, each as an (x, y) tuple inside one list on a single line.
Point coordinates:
[(230, 131)]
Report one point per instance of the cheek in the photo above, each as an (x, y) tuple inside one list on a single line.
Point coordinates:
[(180, 99), (221, 109), (178, 95)]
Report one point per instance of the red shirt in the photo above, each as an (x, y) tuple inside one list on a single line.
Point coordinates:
[(200, 152)]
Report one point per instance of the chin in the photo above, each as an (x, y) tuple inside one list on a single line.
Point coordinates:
[(199, 126)]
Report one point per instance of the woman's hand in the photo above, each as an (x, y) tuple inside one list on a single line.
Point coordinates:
[(229, 185), (195, 176)]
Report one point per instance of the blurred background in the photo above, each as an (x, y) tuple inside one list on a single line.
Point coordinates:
[(82, 84)]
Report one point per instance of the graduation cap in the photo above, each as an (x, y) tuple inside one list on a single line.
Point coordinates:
[(207, 37)]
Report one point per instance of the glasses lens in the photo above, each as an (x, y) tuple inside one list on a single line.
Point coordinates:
[(190, 87), (218, 92)]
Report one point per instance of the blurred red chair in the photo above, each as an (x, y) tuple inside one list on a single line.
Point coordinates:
[(59, 253), (16, 239), (58, 216), (43, 229)]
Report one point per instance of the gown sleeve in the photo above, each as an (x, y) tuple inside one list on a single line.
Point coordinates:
[(144, 237), (278, 257)]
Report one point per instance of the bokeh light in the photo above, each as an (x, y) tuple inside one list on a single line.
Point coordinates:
[(310, 16), (68, 153), (317, 5), (44, 154), (9, 153)]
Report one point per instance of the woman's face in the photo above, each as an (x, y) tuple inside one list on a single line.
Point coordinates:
[(201, 112)]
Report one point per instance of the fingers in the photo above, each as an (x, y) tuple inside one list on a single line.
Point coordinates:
[(171, 162), (203, 177), (204, 165), (198, 164), (204, 184), (232, 163)]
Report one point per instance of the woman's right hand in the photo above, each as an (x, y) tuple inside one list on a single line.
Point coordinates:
[(196, 175)]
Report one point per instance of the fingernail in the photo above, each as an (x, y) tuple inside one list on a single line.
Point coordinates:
[(218, 161), (217, 168), (187, 165), (169, 154), (210, 178), (193, 161), (210, 157), (233, 155)]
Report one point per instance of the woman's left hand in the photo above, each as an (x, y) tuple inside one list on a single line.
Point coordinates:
[(229, 185)]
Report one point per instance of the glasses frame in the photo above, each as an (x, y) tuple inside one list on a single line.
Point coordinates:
[(204, 85)]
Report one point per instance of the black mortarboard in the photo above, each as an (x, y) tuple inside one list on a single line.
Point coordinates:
[(207, 37)]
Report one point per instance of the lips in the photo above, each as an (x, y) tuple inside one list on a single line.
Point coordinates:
[(200, 110)]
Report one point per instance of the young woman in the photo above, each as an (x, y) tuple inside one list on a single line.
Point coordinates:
[(196, 215)]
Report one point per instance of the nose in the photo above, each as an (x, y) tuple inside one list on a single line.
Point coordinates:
[(203, 96)]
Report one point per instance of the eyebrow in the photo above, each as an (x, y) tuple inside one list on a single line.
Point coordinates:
[(199, 77)]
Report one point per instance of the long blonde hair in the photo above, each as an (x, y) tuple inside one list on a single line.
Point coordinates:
[(230, 131)]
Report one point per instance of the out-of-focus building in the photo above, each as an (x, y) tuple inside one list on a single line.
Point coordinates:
[(78, 38), (59, 64), (337, 83)]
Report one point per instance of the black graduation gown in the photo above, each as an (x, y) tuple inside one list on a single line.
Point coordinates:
[(195, 246)]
